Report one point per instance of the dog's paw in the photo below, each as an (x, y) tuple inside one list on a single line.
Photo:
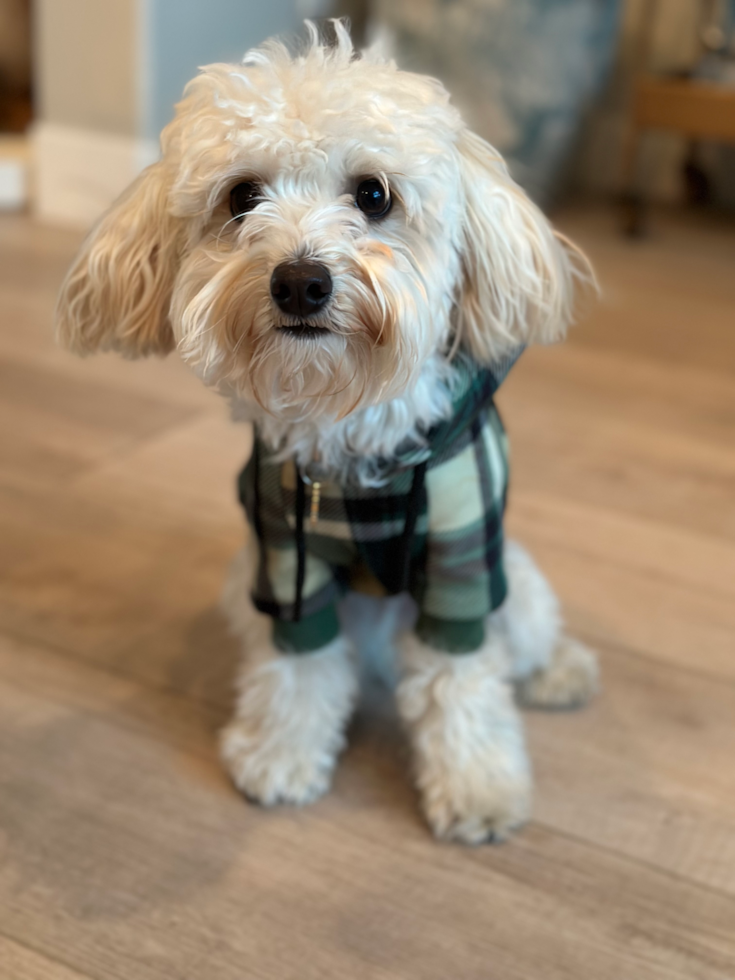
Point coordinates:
[(274, 770), (570, 680), (469, 752), (479, 804), (288, 730)]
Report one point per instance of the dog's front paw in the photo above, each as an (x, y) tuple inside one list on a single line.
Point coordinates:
[(569, 681), (467, 737), (477, 803), (282, 745), (270, 770)]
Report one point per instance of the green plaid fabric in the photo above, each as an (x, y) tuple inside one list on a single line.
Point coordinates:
[(451, 564)]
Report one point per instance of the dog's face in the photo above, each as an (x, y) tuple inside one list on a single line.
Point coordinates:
[(318, 228)]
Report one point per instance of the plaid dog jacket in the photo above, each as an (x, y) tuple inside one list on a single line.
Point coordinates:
[(433, 528)]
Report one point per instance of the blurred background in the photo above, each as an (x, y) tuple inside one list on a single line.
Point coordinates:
[(562, 87), (124, 851)]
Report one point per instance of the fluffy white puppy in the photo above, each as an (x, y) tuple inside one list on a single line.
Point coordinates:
[(327, 244)]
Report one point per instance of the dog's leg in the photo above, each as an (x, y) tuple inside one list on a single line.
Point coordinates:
[(551, 670), (469, 753), (288, 728)]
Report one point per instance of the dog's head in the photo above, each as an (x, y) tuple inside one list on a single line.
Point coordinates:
[(318, 226)]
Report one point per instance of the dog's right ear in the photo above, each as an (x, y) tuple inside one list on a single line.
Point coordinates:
[(117, 294), (519, 276)]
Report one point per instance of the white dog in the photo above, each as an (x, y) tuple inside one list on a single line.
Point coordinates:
[(327, 244)]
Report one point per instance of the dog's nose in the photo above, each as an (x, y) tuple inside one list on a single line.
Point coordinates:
[(301, 287)]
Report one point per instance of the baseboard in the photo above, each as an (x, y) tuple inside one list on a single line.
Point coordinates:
[(14, 169), (78, 173)]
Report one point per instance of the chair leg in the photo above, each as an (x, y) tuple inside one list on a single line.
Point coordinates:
[(697, 187), (633, 211)]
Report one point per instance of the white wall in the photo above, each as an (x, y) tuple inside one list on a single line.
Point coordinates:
[(85, 64), (108, 73)]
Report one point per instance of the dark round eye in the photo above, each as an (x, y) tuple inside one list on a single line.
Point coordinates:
[(373, 198), (243, 198)]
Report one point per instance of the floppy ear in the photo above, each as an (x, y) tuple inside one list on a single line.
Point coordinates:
[(518, 274), (117, 293)]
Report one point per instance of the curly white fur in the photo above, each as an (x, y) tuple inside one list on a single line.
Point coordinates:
[(466, 733), (470, 760), (462, 261), (550, 669), (471, 765), (288, 728)]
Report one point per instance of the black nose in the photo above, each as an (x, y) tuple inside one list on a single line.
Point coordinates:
[(301, 287)]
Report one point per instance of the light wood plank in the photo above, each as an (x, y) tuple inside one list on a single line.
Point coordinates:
[(593, 383), (649, 586), (138, 857), (646, 771), (669, 297), (690, 560), (21, 963), (94, 578), (640, 469), (186, 474), (53, 428), (138, 547)]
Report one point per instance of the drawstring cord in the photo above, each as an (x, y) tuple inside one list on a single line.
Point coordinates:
[(413, 505), (300, 546), (412, 512)]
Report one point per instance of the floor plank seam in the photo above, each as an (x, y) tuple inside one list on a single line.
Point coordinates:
[(121, 455), (52, 958), (615, 648), (137, 683), (206, 704), (648, 574), (636, 861)]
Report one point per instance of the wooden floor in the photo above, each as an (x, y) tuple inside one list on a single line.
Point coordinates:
[(124, 851)]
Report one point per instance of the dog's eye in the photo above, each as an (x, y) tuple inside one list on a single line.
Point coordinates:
[(373, 198), (243, 198)]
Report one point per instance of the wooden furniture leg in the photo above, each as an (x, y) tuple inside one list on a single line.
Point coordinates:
[(632, 202)]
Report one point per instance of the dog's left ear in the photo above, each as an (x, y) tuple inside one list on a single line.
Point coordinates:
[(117, 294), (518, 274)]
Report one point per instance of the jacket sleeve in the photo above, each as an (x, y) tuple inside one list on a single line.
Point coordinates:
[(464, 575)]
